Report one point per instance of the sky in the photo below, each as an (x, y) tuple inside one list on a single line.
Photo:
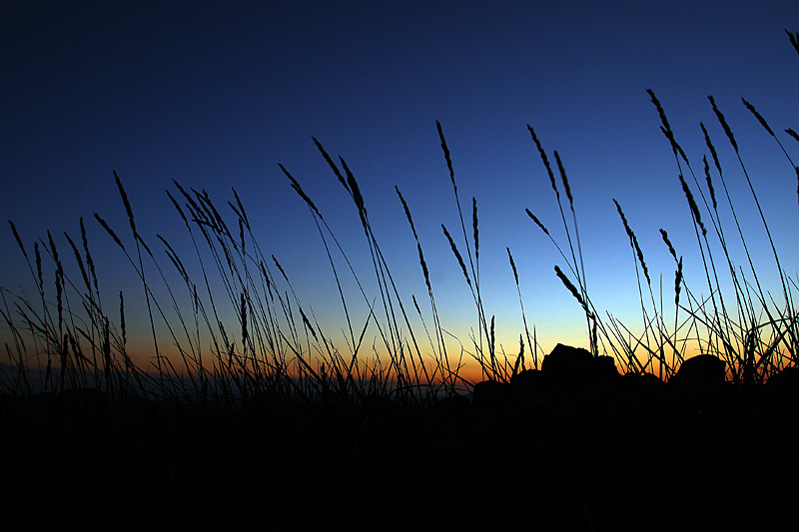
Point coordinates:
[(215, 96)]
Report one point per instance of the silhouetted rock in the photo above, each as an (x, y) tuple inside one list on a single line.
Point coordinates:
[(451, 416), (491, 394), (784, 385), (572, 369), (699, 381), (568, 367), (605, 371), (527, 377), (453, 405), (529, 385), (701, 371), (642, 396), (641, 381)]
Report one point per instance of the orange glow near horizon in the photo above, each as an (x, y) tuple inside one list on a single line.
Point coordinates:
[(469, 372)]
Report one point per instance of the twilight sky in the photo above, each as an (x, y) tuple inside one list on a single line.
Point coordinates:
[(216, 96)]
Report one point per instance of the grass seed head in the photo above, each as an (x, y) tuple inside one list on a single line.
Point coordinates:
[(79, 260), (660, 110), (633, 241), (513, 266), (330, 163), (565, 180), (447, 156), (692, 204), (545, 159), (122, 318), (574, 292), (537, 221), (242, 211), (407, 210), (38, 256), (711, 147), (665, 236), (724, 124), (425, 271), (794, 38), (797, 179), (356, 191), (759, 117), (475, 232), (128, 208), (89, 261), (300, 192), (710, 183), (457, 254), (18, 239)]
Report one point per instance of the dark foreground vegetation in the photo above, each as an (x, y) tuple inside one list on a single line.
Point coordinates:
[(572, 446), (275, 427)]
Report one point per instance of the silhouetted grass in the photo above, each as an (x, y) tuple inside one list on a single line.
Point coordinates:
[(69, 360)]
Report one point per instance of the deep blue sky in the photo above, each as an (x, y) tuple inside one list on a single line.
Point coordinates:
[(215, 96)]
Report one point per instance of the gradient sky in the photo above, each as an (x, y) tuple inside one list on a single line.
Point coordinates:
[(215, 96)]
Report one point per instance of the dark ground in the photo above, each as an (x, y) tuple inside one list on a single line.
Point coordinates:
[(601, 452)]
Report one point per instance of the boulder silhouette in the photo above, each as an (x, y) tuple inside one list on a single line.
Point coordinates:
[(574, 369), (784, 385), (530, 384), (605, 371), (491, 394), (701, 371), (568, 368), (450, 406), (698, 382), (641, 382), (527, 377)]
